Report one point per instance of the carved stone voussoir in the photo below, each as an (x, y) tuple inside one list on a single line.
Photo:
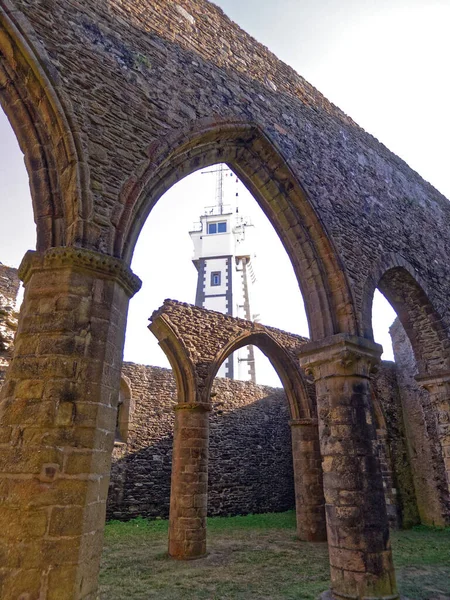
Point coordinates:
[(340, 355), (79, 258)]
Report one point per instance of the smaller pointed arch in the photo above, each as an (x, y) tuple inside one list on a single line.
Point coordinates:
[(299, 394), (407, 293), (197, 341)]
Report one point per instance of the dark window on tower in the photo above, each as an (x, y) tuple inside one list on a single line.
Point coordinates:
[(215, 278), (217, 227)]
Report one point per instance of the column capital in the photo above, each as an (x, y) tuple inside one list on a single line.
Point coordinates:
[(340, 355), (103, 265)]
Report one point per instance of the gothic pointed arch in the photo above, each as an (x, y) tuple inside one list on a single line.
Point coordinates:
[(197, 341), (255, 158), (297, 391), (42, 124), (406, 291)]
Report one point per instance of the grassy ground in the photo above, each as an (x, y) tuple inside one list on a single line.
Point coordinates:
[(254, 558)]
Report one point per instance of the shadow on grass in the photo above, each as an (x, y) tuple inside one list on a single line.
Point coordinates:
[(256, 557)]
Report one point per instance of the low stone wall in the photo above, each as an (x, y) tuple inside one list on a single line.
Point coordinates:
[(250, 466)]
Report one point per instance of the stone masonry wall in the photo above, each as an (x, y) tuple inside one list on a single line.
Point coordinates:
[(131, 73), (250, 468), (420, 429), (395, 463)]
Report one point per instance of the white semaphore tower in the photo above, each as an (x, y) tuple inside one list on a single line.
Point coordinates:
[(224, 257)]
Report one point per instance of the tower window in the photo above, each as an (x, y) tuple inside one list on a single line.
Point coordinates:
[(215, 278), (217, 227)]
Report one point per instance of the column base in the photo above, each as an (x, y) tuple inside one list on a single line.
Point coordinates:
[(329, 595), (182, 558)]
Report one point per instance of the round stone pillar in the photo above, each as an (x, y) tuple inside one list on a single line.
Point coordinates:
[(438, 387), (189, 485), (309, 499), (57, 419), (361, 565)]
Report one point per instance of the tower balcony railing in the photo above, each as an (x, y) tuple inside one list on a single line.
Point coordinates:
[(223, 209)]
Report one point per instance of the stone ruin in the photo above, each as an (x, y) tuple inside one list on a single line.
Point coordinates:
[(114, 101)]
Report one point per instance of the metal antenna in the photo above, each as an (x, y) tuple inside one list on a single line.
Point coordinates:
[(219, 189), (219, 184)]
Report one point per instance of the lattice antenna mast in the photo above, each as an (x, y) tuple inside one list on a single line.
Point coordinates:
[(219, 189), (219, 185)]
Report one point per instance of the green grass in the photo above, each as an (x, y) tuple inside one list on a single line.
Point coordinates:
[(256, 557), (422, 560)]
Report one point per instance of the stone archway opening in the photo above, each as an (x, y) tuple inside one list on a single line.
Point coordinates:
[(100, 156), (197, 341), (420, 352), (247, 150), (284, 420), (164, 254), (250, 451)]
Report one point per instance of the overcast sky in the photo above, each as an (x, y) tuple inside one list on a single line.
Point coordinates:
[(385, 63)]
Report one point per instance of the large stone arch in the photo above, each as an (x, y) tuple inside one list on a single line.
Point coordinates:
[(365, 198), (247, 149), (43, 127)]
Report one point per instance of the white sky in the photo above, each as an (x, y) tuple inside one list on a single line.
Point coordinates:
[(384, 62)]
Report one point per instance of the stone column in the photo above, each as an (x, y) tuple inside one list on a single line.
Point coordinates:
[(189, 485), (357, 525), (57, 420), (438, 387), (309, 500)]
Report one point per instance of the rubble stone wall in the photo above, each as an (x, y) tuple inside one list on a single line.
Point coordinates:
[(250, 461)]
